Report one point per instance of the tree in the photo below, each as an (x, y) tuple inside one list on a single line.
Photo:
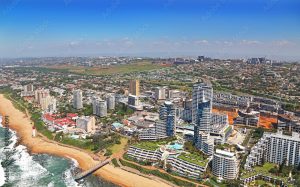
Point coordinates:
[(281, 166), (233, 183), (168, 167)]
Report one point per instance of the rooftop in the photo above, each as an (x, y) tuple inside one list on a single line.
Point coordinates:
[(224, 153), (194, 158), (147, 145)]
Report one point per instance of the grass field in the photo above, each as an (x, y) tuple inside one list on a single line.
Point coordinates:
[(119, 147), (114, 69)]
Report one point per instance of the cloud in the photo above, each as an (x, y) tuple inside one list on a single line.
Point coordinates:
[(201, 42), (283, 43), (73, 43), (250, 42)]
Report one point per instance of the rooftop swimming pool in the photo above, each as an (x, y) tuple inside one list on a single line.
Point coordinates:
[(175, 146)]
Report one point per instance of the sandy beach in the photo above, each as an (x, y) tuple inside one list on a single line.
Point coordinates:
[(22, 125)]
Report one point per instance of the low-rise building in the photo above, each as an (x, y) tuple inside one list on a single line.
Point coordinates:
[(144, 154), (188, 167)]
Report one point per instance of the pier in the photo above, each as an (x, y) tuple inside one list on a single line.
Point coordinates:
[(91, 170)]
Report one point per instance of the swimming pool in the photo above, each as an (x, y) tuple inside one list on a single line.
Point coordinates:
[(175, 146)]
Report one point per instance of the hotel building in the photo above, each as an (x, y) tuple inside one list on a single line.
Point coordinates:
[(225, 165)]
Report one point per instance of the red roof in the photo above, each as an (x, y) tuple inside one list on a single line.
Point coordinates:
[(72, 115), (61, 121), (49, 117), (64, 121)]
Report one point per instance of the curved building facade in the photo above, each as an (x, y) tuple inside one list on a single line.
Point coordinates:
[(224, 165)]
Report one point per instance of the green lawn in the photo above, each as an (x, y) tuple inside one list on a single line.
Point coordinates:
[(153, 145), (264, 170), (193, 158), (213, 183), (115, 148), (147, 145), (259, 169)]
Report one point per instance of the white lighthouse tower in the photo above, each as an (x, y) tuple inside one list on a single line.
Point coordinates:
[(33, 131)]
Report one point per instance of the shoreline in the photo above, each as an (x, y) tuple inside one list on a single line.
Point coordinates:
[(20, 123)]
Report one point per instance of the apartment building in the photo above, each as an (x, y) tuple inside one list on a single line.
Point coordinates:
[(225, 165)]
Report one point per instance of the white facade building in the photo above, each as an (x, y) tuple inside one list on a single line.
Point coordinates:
[(144, 154), (275, 148), (160, 93), (225, 165)]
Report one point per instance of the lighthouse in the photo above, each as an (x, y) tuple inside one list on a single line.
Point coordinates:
[(33, 131)]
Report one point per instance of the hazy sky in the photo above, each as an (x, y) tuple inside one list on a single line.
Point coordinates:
[(218, 28)]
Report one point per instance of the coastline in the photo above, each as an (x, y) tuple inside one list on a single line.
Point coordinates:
[(22, 125)]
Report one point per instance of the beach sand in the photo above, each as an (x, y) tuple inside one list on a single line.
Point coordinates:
[(22, 125)]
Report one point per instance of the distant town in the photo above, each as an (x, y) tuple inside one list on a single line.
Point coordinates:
[(190, 121)]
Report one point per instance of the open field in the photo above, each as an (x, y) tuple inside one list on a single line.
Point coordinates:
[(116, 148), (114, 69)]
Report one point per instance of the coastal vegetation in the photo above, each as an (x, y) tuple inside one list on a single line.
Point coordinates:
[(115, 162), (157, 173), (141, 162)]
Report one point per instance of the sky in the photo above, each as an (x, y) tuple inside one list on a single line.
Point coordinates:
[(158, 28)]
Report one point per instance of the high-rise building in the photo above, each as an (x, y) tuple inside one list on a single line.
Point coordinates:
[(48, 104), (86, 123), (204, 142), (28, 91), (198, 90), (225, 165), (99, 107), (52, 105), (275, 148), (160, 93), (110, 101), (28, 88), (203, 118), (134, 87), (41, 93), (166, 125), (77, 99)]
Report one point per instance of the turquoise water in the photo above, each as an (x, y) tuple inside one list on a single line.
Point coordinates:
[(19, 168), (176, 146)]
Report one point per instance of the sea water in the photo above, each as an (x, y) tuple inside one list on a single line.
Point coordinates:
[(21, 169)]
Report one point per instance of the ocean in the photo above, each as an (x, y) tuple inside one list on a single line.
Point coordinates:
[(18, 168)]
